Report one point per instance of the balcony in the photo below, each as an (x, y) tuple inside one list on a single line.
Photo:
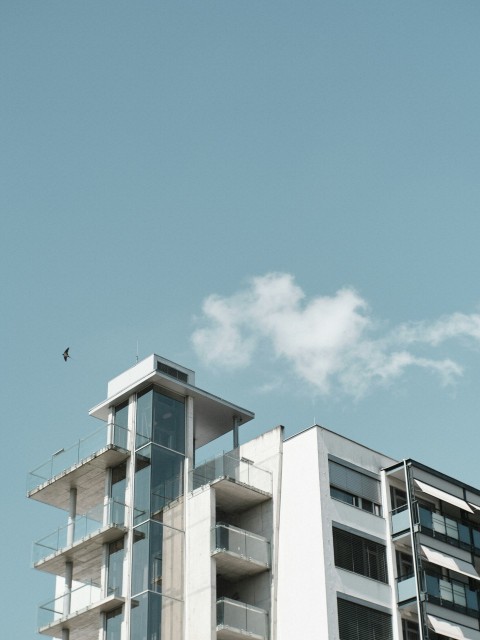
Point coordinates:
[(451, 594), (82, 466), (81, 542), (239, 553), (450, 530), (235, 620), (239, 484), (85, 604)]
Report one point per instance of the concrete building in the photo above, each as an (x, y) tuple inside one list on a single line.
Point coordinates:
[(314, 537)]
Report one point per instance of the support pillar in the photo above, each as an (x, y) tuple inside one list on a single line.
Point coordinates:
[(236, 424)]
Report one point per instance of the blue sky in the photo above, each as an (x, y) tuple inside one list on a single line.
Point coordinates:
[(156, 154)]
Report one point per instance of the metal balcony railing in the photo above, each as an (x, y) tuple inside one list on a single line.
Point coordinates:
[(107, 435), (111, 513), (240, 542), (69, 604), (233, 468), (242, 619)]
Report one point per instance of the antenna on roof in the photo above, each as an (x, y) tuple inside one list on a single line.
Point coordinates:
[(137, 350)]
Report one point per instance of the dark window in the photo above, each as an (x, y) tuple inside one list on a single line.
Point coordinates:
[(411, 631), (355, 488), (356, 622), (404, 565), (359, 555), (398, 498), (120, 426)]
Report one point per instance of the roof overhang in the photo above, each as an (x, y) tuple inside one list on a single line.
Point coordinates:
[(213, 416)]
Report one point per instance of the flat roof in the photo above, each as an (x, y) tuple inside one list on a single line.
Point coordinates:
[(213, 416)]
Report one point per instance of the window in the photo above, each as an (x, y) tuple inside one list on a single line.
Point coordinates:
[(113, 624), (357, 622), (410, 630), (160, 419), (398, 498), (359, 555), (116, 555), (355, 488), (404, 565)]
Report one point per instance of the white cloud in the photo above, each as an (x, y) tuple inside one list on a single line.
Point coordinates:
[(328, 341)]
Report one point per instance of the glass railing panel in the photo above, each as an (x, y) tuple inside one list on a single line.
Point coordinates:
[(112, 513), (230, 539), (400, 520), (65, 458), (231, 467), (241, 542), (257, 622), (232, 614), (241, 616), (258, 549), (406, 588), (79, 598)]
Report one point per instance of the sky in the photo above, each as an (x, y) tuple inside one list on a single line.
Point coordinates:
[(281, 195)]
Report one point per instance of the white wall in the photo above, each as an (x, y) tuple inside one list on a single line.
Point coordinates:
[(200, 578)]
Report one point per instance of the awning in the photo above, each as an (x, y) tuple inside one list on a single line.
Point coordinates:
[(449, 562), (475, 506), (451, 630), (443, 495)]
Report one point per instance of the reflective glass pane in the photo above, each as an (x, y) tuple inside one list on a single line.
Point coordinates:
[(167, 478), (116, 554), (113, 625), (168, 422), (144, 418), (157, 559)]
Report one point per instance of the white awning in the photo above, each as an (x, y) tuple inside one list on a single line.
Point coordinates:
[(451, 630), (449, 562), (443, 495), (475, 506)]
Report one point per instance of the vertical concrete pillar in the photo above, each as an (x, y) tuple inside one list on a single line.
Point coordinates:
[(72, 512), (68, 588)]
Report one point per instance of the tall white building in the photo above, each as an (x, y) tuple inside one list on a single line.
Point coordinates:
[(314, 537)]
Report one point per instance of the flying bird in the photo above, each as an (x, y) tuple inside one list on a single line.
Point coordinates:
[(65, 354)]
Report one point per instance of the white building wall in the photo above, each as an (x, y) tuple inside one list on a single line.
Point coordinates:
[(302, 601), (200, 578), (308, 579)]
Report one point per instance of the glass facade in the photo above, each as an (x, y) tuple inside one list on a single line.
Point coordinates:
[(160, 419), (113, 624), (158, 536), (116, 554)]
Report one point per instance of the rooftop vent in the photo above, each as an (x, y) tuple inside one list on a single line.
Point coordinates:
[(170, 371)]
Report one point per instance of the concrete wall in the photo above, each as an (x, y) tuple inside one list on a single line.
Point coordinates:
[(200, 577)]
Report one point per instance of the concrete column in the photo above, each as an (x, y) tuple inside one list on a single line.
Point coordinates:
[(65, 634), (68, 588), (72, 512)]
